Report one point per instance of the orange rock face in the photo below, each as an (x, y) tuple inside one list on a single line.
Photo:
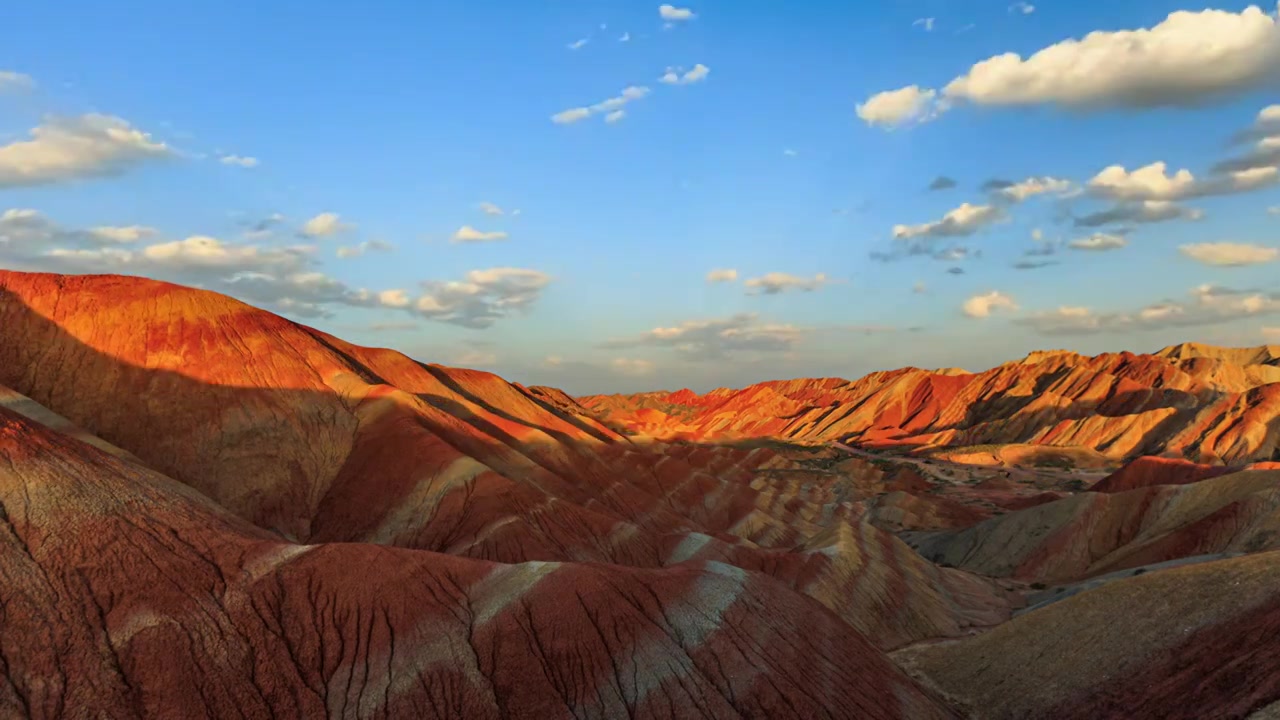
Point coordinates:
[(1211, 405)]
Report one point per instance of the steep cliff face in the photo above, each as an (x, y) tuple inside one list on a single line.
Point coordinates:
[(1212, 405)]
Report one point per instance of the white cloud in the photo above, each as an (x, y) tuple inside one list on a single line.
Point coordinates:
[(964, 220), (355, 251), (1228, 254), (1188, 58), (1274, 210), (675, 76), (1099, 242), (981, 306), (630, 366), (128, 234), (468, 234), (1209, 305), (626, 37), (615, 116), (716, 339), (1147, 211), (610, 106), (10, 80), (893, 108), (490, 209), (484, 297), (73, 148), (722, 275), (776, 282), (926, 23), (394, 299), (1017, 192), (324, 225), (242, 161), (578, 44), (1154, 182), (283, 279), (671, 13), (1037, 234), (1022, 7)]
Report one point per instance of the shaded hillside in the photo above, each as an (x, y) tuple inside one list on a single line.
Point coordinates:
[(1213, 405), (127, 594)]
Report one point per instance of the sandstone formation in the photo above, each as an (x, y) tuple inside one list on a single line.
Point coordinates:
[(207, 510), (1211, 405)]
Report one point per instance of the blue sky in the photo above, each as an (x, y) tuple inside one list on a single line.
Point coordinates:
[(401, 118)]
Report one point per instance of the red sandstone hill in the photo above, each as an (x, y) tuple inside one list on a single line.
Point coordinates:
[(1212, 405), (209, 510)]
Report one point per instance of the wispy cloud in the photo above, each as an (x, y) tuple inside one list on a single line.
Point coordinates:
[(612, 105), (1229, 254), (468, 234)]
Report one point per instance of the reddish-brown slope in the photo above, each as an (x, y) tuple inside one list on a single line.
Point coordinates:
[(1178, 644), (1094, 533), (319, 441), (1147, 471), (1216, 407), (127, 594)]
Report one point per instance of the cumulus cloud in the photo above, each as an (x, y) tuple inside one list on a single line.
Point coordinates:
[(88, 146), (1154, 182), (325, 225), (468, 234), (717, 339), (963, 221), (239, 160), (484, 297), (1146, 211), (776, 282), (632, 366), (722, 275), (1265, 134), (1187, 59), (283, 279), (608, 107), (11, 81), (1099, 242), (677, 76), (942, 182), (1208, 305), (1229, 254), (894, 108), (982, 305), (671, 13), (355, 251)]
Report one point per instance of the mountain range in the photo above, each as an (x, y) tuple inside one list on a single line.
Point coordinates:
[(212, 511)]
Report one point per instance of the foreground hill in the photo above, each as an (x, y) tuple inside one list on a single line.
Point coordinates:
[(1212, 405)]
